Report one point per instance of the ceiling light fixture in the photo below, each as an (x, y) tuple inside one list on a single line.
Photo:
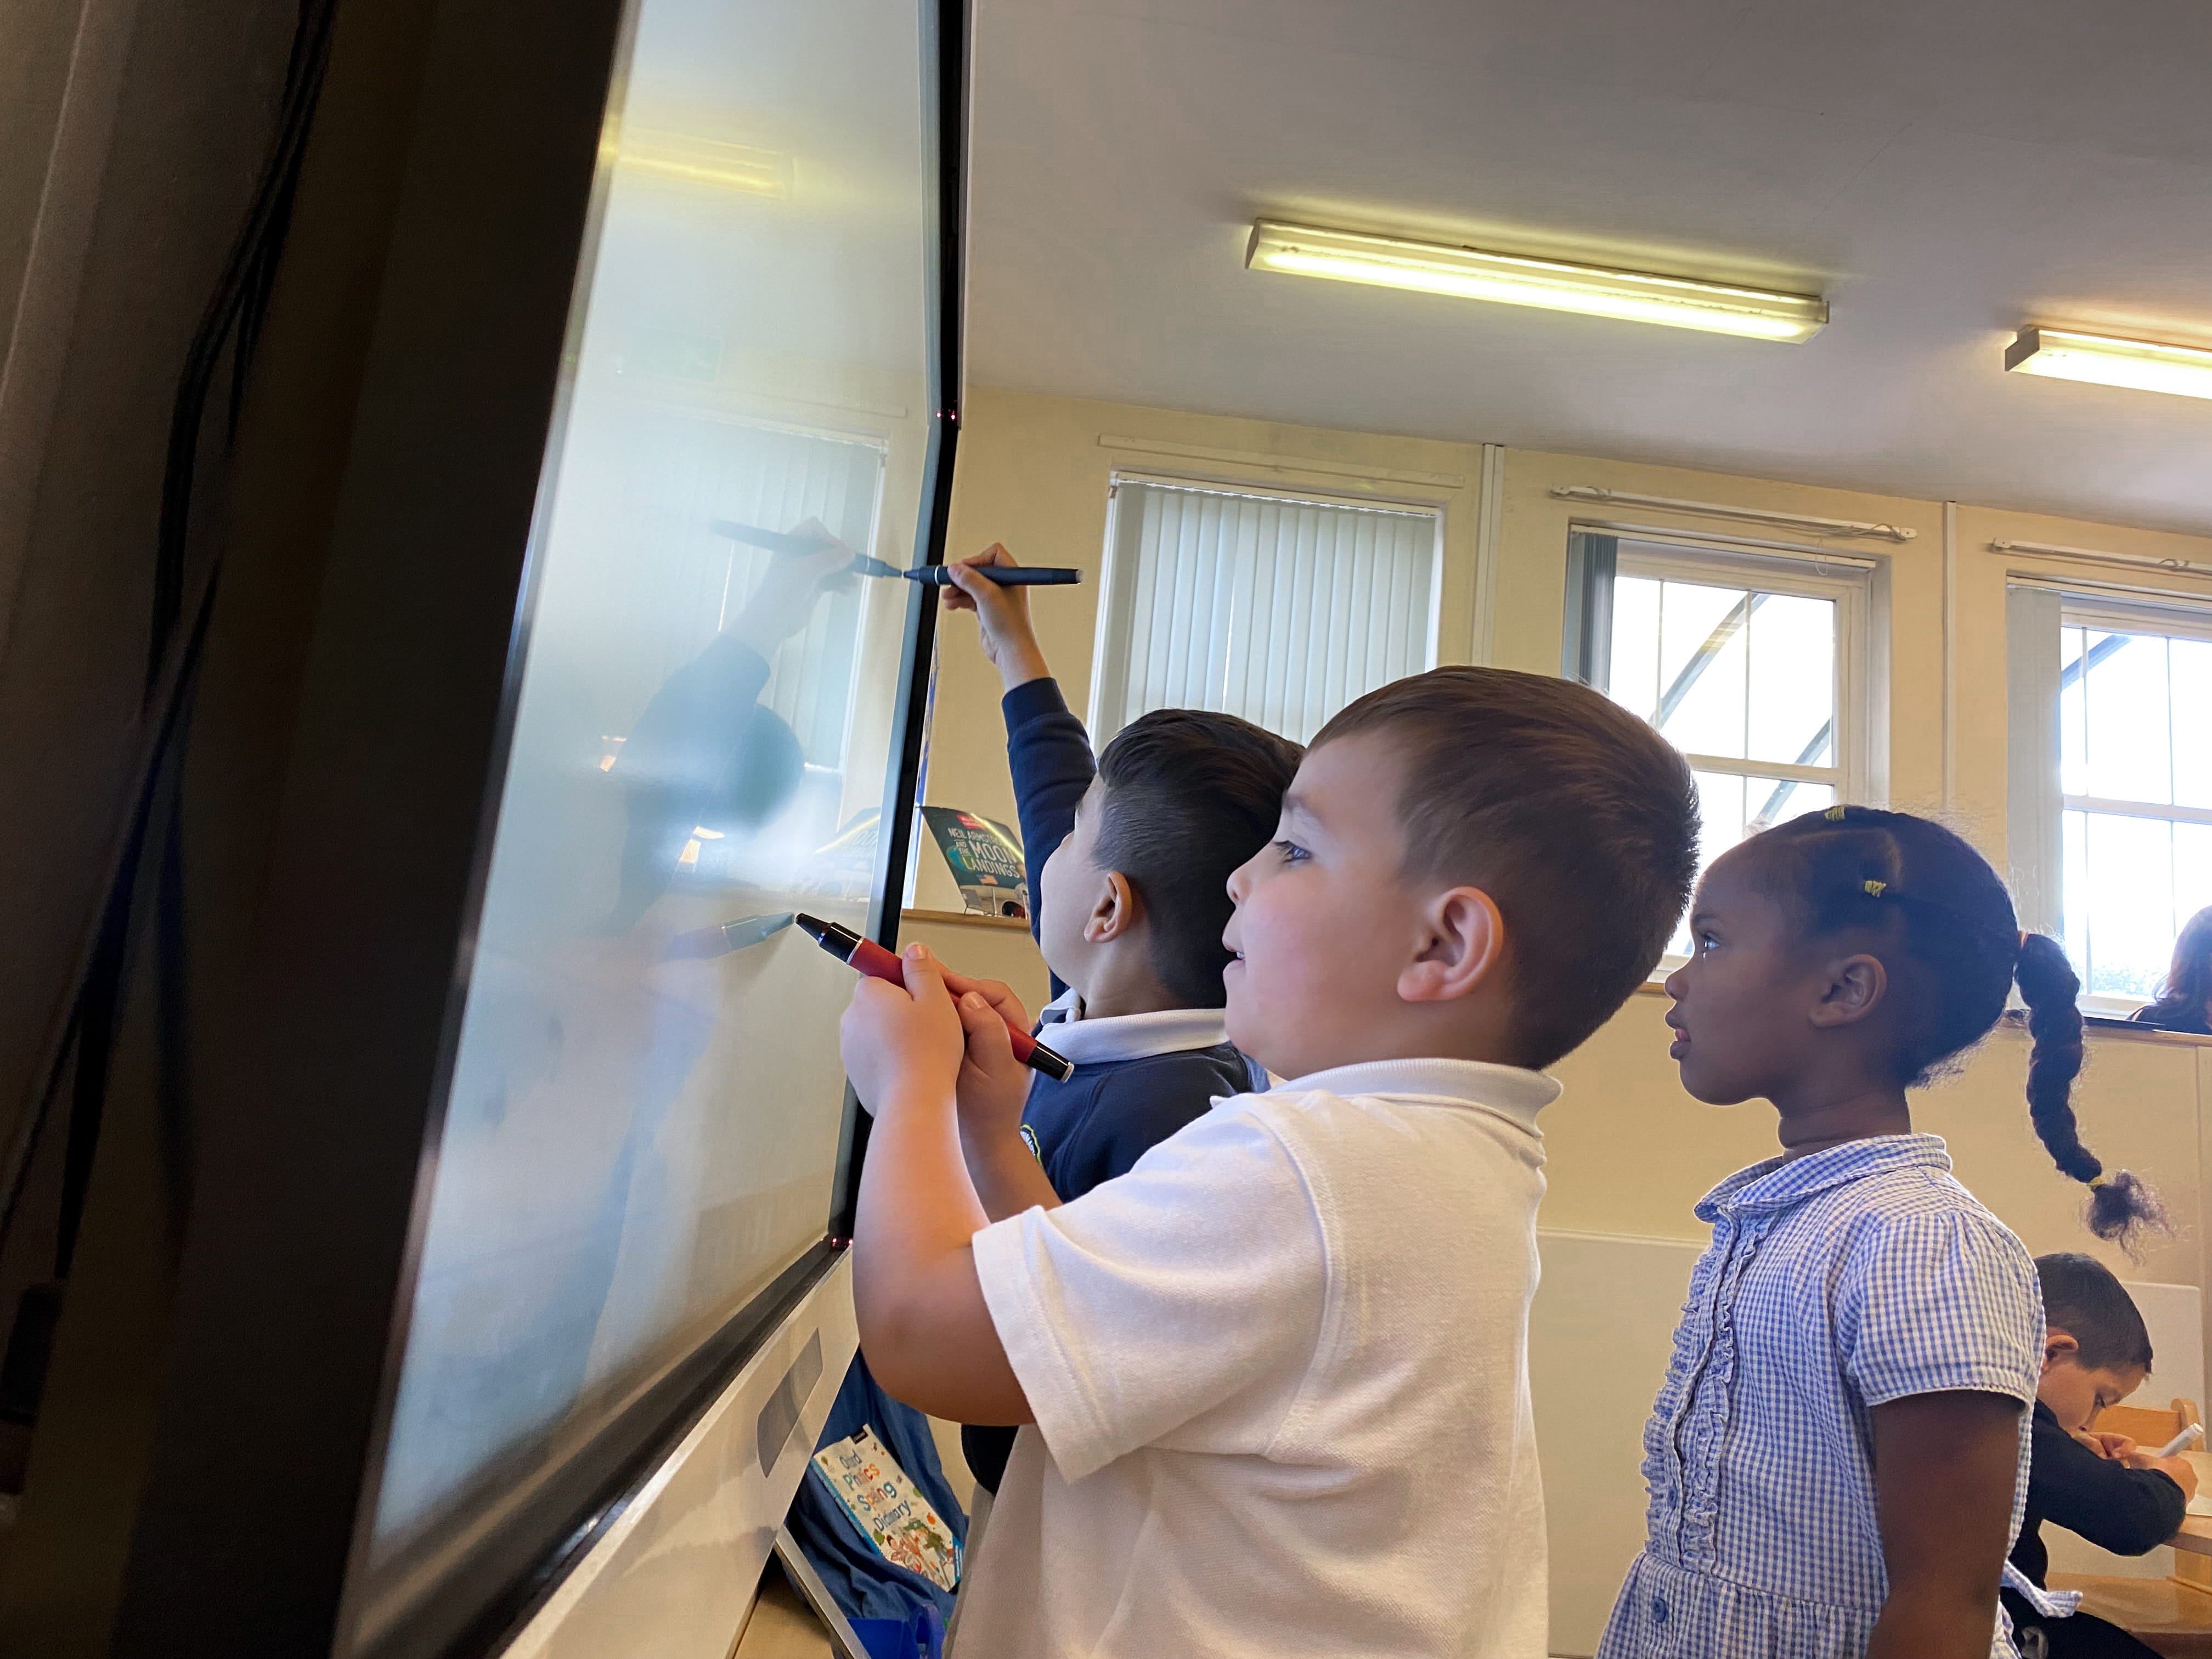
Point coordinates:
[(1469, 273), (2140, 365)]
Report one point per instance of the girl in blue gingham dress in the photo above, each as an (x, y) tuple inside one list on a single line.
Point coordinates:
[(1840, 1452)]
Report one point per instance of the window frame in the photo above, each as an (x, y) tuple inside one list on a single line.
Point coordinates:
[(1690, 562), (1848, 581), (1435, 511), (2120, 613)]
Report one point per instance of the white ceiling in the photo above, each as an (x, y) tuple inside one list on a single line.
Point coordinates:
[(1942, 170)]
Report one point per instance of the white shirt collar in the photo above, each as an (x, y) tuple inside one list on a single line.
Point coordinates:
[(1062, 1028), (1518, 1094)]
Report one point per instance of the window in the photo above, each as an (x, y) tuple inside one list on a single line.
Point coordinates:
[(1748, 664), (1279, 608), (2110, 753)]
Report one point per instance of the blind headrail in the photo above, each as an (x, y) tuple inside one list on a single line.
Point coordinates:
[(1719, 510), (2095, 555)]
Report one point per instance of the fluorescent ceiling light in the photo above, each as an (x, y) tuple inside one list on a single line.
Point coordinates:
[(1509, 278), (2139, 364)]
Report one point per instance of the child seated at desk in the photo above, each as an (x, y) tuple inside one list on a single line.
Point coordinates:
[(2103, 1486)]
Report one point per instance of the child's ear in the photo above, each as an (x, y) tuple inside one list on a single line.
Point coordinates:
[(2059, 1345), (1114, 912), (1854, 988), (1462, 941)]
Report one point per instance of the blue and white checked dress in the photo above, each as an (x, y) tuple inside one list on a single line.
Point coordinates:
[(1835, 1283)]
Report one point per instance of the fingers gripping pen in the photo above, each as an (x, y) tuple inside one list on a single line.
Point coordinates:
[(872, 959)]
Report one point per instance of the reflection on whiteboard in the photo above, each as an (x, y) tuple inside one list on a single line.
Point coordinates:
[(642, 1122), (644, 1102)]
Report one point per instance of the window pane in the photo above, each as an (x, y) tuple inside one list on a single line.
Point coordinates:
[(1735, 808), (2191, 714), (1791, 696), (2127, 748), (1702, 651), (1634, 681), (2130, 878), (2073, 888)]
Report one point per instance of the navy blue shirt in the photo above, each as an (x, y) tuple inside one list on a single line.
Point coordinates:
[(2127, 1511), (1108, 1113)]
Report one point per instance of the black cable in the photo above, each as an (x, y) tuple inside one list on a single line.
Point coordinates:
[(233, 318)]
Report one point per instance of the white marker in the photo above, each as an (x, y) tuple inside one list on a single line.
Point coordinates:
[(2189, 1437)]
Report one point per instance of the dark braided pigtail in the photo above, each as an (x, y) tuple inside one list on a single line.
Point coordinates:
[(2120, 1208), (1912, 886)]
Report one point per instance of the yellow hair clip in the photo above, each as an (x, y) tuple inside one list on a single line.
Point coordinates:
[(1835, 814), (1875, 889)]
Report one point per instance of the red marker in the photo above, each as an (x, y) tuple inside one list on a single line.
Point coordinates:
[(872, 959)]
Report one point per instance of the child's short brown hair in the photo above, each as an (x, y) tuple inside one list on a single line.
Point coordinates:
[(1186, 796), (1578, 818), (2084, 1299)]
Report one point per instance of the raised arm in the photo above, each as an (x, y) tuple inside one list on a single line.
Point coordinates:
[(1046, 748), (1944, 1469)]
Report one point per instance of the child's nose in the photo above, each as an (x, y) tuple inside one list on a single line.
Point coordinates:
[(1237, 886)]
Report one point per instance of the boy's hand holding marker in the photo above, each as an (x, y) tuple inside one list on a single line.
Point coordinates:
[(1002, 616), (917, 1294), (904, 1045), (870, 958), (896, 1046), (993, 1090)]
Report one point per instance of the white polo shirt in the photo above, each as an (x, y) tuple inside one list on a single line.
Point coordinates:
[(1279, 1372)]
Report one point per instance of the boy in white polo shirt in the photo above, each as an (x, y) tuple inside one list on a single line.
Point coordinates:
[(1278, 1371)]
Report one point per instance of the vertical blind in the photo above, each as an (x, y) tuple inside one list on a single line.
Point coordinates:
[(1279, 610)]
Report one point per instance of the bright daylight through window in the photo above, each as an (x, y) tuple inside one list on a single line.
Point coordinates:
[(2136, 773), (1745, 663)]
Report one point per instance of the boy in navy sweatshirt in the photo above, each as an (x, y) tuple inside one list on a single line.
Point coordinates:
[(1128, 907), (2119, 1496)]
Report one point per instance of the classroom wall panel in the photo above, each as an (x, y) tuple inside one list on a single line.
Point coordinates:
[(1598, 1334)]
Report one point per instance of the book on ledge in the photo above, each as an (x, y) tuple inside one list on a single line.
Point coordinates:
[(888, 1509)]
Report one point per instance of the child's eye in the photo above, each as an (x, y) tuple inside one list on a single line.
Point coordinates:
[(1706, 944), (1291, 851)]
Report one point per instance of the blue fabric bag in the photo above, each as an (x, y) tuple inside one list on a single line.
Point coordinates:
[(870, 1590), (918, 1638)]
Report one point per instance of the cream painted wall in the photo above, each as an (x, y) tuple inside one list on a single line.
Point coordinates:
[(1628, 1152)]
